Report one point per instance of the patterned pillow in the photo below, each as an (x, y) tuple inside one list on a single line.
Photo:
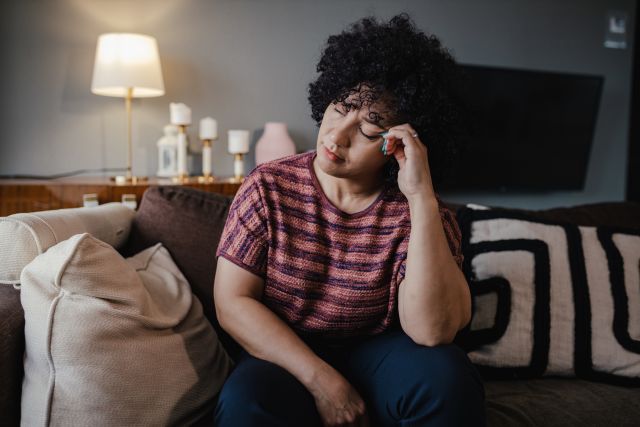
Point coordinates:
[(551, 297)]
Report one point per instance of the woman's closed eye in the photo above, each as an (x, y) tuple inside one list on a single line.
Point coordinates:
[(369, 137)]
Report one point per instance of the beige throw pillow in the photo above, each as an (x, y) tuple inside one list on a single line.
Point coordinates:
[(114, 342)]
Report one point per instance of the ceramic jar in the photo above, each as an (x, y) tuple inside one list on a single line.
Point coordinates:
[(274, 143)]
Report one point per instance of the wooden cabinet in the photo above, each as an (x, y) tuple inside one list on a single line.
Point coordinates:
[(41, 195)]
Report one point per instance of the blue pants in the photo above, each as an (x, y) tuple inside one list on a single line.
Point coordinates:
[(402, 384)]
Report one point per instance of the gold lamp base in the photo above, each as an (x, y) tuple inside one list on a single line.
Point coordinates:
[(129, 178)]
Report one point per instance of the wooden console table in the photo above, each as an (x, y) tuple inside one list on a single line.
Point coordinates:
[(19, 195)]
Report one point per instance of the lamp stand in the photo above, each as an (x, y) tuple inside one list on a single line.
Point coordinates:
[(128, 178)]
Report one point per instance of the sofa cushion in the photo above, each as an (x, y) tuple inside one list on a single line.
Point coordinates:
[(189, 223), (551, 298), (111, 341), (26, 235), (559, 402)]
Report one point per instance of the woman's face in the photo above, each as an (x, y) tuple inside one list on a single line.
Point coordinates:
[(349, 144)]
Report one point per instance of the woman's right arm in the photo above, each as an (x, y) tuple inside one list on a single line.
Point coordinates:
[(237, 296)]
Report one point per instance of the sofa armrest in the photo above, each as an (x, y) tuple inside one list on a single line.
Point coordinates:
[(25, 236), (11, 355)]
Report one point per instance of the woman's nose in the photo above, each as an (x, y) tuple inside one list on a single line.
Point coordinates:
[(332, 145), (339, 136)]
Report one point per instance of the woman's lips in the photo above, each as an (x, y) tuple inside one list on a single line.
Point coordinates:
[(332, 156)]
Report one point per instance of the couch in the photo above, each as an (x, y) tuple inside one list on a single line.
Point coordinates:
[(189, 223)]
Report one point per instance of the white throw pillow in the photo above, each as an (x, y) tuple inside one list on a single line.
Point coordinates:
[(115, 342)]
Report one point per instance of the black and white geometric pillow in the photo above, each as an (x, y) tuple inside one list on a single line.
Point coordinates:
[(551, 299)]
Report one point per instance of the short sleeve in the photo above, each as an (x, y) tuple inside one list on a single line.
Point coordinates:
[(244, 238), (452, 233)]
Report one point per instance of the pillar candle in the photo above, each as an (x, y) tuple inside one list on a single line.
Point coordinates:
[(238, 141), (180, 113), (208, 128)]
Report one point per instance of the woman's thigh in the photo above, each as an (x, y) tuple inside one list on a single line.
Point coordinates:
[(407, 384), (260, 393)]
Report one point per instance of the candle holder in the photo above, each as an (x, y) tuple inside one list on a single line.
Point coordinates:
[(207, 176), (238, 167), (183, 174), (238, 147)]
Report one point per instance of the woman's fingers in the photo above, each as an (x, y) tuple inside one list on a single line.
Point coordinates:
[(398, 153), (403, 135), (403, 142)]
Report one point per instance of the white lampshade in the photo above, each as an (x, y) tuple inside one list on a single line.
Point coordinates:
[(125, 60)]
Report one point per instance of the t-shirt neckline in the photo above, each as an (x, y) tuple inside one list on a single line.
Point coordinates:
[(329, 205)]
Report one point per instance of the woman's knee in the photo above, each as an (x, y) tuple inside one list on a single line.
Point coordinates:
[(420, 385), (447, 371)]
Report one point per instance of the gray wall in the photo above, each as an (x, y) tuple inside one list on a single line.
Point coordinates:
[(245, 62)]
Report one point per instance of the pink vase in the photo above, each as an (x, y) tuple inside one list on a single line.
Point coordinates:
[(274, 143)]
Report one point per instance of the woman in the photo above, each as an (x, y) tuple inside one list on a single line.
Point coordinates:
[(339, 269)]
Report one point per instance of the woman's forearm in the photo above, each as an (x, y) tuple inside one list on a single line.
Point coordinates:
[(264, 335), (434, 300)]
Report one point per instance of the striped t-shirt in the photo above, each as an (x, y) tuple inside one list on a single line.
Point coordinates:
[(326, 272)]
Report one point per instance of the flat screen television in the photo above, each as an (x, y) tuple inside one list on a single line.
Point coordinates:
[(530, 130)]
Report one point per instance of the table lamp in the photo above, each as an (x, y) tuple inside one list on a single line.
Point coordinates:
[(127, 66)]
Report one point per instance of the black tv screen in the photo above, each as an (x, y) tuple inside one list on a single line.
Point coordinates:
[(530, 130)]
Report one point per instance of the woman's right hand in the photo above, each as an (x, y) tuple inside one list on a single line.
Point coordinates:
[(338, 403)]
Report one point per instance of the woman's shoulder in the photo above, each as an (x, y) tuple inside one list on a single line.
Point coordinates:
[(290, 168)]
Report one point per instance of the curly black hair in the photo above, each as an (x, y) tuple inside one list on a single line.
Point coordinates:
[(405, 66)]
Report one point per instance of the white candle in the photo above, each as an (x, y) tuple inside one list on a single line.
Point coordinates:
[(208, 128), (180, 113), (182, 154), (206, 160), (238, 141)]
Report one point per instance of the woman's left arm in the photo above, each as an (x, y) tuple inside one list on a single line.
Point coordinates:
[(434, 301)]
